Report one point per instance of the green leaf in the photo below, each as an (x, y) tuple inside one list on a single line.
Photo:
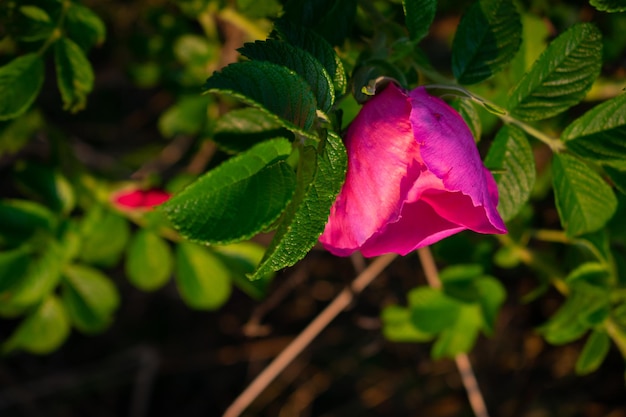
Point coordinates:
[(47, 184), (304, 38), (74, 74), (397, 326), (298, 60), (104, 235), (149, 261), (39, 280), (511, 158), (41, 332), (240, 129), (20, 82), (188, 116), (238, 199), (90, 298), (203, 281), (320, 176), (595, 350), (84, 26), (586, 306), (270, 87), (585, 202), (461, 335), (561, 76), (432, 311), (487, 38), (20, 219), (492, 295), (609, 5), (242, 259), (35, 13), (599, 134), (419, 16)]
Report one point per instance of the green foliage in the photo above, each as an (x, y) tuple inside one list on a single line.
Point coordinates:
[(419, 16), (315, 45), (297, 60), (454, 315), (585, 202), (20, 82), (609, 5), (74, 74), (320, 177), (148, 261), (512, 159), (487, 38), (42, 331), (574, 59), (224, 206), (89, 297), (277, 117), (105, 235), (203, 281), (593, 354), (241, 129), (598, 134), (269, 87)]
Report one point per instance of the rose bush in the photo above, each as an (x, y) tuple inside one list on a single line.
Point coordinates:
[(414, 177)]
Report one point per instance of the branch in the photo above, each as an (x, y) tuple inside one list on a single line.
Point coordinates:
[(343, 300), (463, 363)]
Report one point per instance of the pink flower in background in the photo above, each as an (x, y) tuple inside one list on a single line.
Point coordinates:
[(139, 199), (414, 177)]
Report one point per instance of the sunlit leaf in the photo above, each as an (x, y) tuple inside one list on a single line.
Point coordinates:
[(149, 261), (238, 199), (561, 76), (203, 281), (89, 297), (42, 331)]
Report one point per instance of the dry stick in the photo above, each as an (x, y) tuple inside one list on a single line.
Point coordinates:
[(343, 299), (462, 360)]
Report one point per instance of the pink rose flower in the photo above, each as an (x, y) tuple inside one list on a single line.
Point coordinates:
[(131, 199), (414, 177)]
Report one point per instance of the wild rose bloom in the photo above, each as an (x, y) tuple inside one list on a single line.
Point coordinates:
[(414, 177), (131, 199)]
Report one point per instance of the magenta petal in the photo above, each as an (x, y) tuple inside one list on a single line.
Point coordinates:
[(414, 177), (381, 170), (449, 152)]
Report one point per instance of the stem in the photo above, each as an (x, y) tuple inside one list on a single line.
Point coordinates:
[(56, 33), (343, 300), (462, 361)]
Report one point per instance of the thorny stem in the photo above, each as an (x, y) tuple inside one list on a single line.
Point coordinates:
[(462, 361), (340, 302), (553, 143)]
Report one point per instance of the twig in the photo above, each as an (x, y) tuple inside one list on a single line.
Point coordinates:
[(463, 363), (340, 302)]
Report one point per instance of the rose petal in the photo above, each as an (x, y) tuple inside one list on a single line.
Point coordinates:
[(381, 171), (448, 151)]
